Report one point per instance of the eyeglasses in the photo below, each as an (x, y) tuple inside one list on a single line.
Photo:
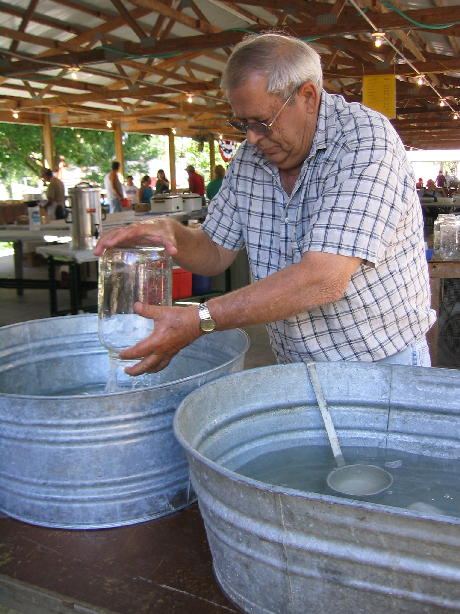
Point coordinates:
[(258, 127)]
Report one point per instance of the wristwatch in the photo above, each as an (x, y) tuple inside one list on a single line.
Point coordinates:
[(207, 324)]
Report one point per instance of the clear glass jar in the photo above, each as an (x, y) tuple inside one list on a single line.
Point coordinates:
[(449, 247), (437, 231), (128, 275)]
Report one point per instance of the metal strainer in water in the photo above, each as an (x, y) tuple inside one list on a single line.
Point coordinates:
[(355, 480)]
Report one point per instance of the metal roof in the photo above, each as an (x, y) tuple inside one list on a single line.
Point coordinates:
[(86, 63)]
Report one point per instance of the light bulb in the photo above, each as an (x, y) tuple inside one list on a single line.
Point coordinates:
[(173, 131), (455, 116), (15, 114), (442, 102), (74, 70), (379, 38), (108, 123), (420, 80), (189, 98)]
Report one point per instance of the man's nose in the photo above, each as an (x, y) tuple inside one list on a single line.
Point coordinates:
[(253, 137)]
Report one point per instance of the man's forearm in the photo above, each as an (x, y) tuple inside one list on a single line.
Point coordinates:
[(197, 253), (293, 290)]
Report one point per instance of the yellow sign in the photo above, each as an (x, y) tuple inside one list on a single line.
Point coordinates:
[(379, 93)]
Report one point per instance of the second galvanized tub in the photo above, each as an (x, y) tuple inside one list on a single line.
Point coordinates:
[(73, 456), (278, 550)]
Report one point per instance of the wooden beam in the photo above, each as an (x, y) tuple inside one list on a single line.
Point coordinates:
[(48, 149), (167, 11), (132, 23), (212, 157), (348, 23), (119, 153), (172, 161)]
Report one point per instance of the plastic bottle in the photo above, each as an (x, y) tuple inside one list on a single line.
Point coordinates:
[(34, 214)]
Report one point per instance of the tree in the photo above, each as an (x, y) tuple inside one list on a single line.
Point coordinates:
[(20, 152), (189, 151), (139, 149), (94, 150)]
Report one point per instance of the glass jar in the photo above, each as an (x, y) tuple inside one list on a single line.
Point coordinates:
[(449, 247), (128, 275), (437, 231)]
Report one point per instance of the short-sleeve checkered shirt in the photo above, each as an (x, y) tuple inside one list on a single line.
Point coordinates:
[(355, 196)]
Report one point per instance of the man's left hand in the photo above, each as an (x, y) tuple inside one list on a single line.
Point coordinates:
[(174, 328)]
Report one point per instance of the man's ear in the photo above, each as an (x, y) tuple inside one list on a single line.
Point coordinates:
[(311, 96)]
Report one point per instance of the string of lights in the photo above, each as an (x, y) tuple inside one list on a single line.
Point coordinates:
[(380, 37)]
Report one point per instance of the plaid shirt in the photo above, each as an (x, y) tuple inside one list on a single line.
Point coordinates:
[(355, 196)]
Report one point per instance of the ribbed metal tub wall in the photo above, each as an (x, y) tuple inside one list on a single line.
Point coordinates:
[(94, 460), (278, 550)]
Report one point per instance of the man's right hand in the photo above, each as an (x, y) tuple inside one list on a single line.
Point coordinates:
[(159, 232)]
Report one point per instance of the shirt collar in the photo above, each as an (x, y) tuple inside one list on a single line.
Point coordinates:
[(325, 125)]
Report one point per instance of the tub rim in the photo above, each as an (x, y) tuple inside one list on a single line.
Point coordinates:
[(284, 490), (9, 395)]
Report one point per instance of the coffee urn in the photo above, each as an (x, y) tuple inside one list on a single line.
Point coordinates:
[(85, 215)]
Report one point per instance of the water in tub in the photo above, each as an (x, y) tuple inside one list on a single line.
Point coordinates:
[(422, 483), (116, 333)]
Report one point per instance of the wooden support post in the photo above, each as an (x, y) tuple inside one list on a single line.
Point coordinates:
[(212, 157), (172, 161), (47, 137), (119, 154)]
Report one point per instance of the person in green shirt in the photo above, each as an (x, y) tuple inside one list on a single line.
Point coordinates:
[(214, 186)]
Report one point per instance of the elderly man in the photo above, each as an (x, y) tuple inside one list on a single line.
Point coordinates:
[(323, 197)]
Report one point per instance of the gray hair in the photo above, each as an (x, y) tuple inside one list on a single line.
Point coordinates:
[(285, 61)]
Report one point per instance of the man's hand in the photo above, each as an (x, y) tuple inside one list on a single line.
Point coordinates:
[(174, 328), (158, 232)]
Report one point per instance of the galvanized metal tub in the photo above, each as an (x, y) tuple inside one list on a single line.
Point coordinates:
[(75, 461), (278, 550)]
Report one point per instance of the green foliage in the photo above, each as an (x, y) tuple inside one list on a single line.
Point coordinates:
[(193, 152), (139, 149), (94, 151), (20, 152), (450, 168), (86, 149)]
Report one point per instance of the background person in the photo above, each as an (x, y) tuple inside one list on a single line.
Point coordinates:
[(441, 183), (162, 184), (114, 188), (130, 190), (214, 186), (322, 196), (196, 182), (145, 191), (55, 196)]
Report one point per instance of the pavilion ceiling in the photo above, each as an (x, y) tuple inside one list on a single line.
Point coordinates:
[(86, 63)]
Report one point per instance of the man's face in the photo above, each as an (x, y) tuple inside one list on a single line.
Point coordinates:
[(292, 132)]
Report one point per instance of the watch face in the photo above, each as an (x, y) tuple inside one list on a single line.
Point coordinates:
[(208, 325)]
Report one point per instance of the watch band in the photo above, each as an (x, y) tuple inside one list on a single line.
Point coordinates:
[(207, 324)]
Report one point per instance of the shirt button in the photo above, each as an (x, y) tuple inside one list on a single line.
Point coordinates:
[(286, 220)]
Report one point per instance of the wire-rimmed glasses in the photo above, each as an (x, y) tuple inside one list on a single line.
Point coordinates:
[(259, 127)]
